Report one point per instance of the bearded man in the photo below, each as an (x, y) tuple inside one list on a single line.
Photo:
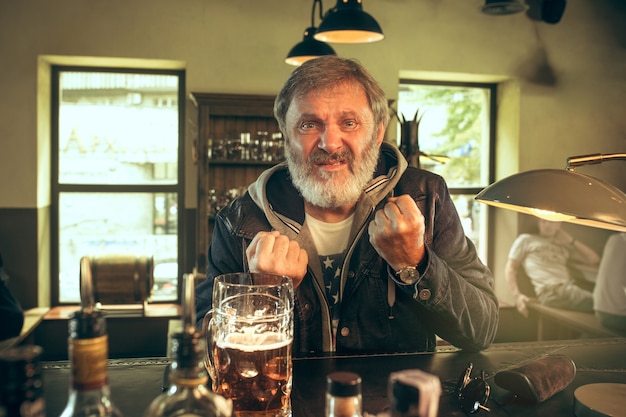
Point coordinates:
[(375, 249)]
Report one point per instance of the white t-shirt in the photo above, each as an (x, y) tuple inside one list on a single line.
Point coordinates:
[(544, 262), (331, 242), (609, 294), (330, 238)]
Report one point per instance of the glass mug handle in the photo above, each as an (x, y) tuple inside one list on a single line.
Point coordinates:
[(207, 324)]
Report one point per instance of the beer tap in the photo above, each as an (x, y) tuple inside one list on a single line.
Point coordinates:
[(188, 304), (87, 298)]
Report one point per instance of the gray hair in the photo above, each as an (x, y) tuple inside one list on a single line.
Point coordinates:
[(325, 72)]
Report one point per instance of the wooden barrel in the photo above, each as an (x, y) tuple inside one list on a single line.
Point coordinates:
[(122, 279)]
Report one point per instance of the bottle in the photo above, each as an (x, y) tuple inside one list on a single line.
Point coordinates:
[(343, 395), (21, 386), (413, 393), (185, 379), (187, 393), (88, 349)]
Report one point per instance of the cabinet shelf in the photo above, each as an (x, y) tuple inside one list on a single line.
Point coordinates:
[(219, 116)]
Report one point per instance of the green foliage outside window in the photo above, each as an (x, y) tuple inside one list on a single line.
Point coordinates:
[(454, 126)]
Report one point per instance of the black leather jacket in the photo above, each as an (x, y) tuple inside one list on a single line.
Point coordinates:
[(454, 299)]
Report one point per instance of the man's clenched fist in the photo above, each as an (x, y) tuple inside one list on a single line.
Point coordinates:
[(273, 253)]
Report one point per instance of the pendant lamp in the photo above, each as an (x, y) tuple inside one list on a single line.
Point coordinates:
[(348, 23), (563, 195), (310, 47)]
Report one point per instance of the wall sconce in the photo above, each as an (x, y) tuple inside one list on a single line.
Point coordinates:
[(310, 47), (503, 7), (563, 195), (348, 23)]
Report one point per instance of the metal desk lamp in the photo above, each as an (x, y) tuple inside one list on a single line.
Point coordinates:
[(563, 195)]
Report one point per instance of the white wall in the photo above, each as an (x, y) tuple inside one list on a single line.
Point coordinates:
[(238, 46)]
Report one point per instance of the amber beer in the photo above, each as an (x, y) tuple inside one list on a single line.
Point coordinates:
[(254, 370), (249, 334)]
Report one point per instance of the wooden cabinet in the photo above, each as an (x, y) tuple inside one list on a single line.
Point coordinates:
[(227, 166)]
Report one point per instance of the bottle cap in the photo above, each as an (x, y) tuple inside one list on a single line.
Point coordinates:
[(85, 324), (343, 384)]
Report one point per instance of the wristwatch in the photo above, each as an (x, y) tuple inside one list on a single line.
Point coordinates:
[(408, 274)]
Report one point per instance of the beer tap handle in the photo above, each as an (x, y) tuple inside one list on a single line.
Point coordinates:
[(87, 299), (188, 305)]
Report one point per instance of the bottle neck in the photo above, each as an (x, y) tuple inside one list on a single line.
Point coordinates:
[(88, 359), (188, 373), (88, 396), (343, 406), (187, 379), (187, 368)]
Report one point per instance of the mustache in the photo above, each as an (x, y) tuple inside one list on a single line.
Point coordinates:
[(322, 157)]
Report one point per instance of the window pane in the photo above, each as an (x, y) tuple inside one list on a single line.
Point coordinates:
[(454, 138), (474, 219), (92, 224), (117, 128), (453, 130)]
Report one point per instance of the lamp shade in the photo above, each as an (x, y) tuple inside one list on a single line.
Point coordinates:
[(309, 48), (560, 195), (503, 7), (348, 23)]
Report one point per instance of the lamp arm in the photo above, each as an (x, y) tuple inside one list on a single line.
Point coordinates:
[(596, 158), (313, 12)]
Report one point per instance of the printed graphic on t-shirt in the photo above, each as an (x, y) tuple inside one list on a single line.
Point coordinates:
[(331, 265)]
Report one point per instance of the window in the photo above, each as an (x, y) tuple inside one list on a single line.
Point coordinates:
[(117, 172), (456, 140)]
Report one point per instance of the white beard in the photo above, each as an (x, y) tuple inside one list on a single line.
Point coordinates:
[(332, 191)]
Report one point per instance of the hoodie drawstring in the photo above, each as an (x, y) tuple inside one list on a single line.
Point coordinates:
[(391, 295)]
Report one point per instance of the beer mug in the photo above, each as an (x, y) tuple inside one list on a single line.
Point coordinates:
[(249, 335)]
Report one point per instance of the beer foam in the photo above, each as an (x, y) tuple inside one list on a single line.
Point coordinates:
[(251, 342)]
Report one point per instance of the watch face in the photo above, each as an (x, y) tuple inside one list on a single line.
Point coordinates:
[(409, 275)]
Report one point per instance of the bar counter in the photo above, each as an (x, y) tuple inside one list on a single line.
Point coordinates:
[(135, 382)]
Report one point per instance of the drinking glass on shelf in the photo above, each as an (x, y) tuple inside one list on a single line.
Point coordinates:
[(245, 143), (212, 202), (249, 341), (233, 147), (209, 148), (279, 146), (256, 152), (219, 150), (269, 153)]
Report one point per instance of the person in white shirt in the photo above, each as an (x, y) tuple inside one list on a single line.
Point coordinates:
[(544, 258), (609, 294)]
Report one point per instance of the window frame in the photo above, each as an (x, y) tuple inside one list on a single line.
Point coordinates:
[(58, 188), (492, 122)]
